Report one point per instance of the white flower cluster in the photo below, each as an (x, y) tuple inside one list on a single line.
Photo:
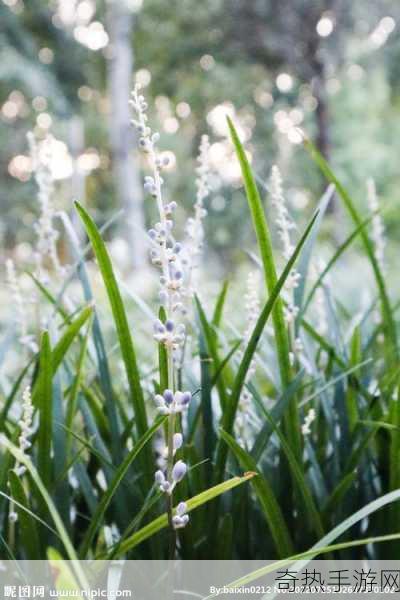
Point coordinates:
[(46, 251), (252, 306), (194, 225), (172, 403), (178, 473), (162, 449), (309, 419), (180, 519), (378, 229), (172, 337), (25, 424), (169, 474), (19, 307), (165, 252), (285, 226)]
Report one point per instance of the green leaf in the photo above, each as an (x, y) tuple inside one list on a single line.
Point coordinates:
[(219, 307), (342, 248), (228, 417), (302, 485), (335, 499), (73, 396), (277, 412), (211, 342), (206, 405), (304, 261), (225, 362), (120, 473), (63, 345), (69, 548), (387, 317), (45, 399), (29, 536), (309, 554), (266, 497), (267, 258), (120, 318), (162, 521), (324, 546)]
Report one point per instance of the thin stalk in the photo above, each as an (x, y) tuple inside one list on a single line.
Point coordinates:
[(170, 460)]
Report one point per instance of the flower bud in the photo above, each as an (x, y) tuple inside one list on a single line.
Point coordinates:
[(159, 477), (181, 509), (179, 471), (177, 441), (168, 396)]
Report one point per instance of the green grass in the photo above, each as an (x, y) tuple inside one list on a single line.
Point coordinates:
[(271, 494)]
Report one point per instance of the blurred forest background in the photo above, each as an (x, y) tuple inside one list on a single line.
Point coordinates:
[(331, 67)]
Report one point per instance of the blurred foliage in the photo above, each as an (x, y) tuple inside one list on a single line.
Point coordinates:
[(344, 89)]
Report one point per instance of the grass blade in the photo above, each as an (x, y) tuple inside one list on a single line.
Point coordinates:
[(219, 306), (162, 521), (230, 412), (45, 399), (27, 525), (387, 317), (120, 318), (271, 278), (266, 497), (97, 518)]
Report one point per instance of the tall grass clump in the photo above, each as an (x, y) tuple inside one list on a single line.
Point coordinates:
[(263, 429)]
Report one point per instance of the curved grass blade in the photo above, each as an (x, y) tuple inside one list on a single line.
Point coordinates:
[(29, 512), (60, 349), (228, 417), (309, 554), (206, 405), (120, 318), (23, 459), (308, 501), (266, 497), (342, 248), (337, 495), (387, 316), (219, 306), (27, 525), (14, 391), (73, 396), (97, 518), (271, 278), (211, 343), (225, 362), (162, 521), (277, 412), (98, 340), (304, 261)]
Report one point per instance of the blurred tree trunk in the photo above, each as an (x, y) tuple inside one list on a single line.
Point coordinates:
[(122, 136), (76, 143)]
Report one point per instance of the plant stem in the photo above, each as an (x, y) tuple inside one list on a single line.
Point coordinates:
[(170, 459)]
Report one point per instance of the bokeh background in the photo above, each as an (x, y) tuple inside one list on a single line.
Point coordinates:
[(330, 67)]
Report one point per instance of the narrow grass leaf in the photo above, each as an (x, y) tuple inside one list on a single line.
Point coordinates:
[(193, 503), (45, 399), (271, 278), (97, 518), (387, 317), (228, 417), (120, 318), (266, 497), (27, 525)]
